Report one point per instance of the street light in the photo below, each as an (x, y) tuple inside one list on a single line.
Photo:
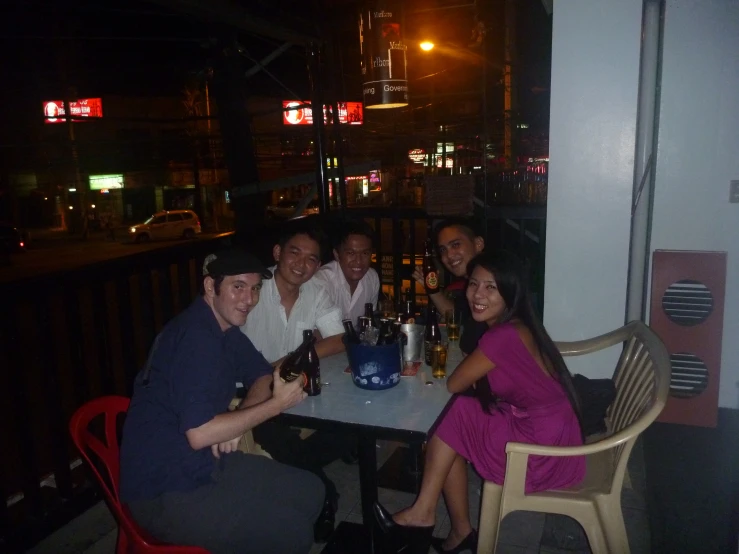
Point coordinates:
[(426, 46)]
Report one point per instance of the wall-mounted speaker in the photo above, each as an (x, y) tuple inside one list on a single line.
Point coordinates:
[(687, 312)]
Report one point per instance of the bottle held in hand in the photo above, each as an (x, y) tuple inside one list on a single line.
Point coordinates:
[(430, 273), (290, 368), (310, 365)]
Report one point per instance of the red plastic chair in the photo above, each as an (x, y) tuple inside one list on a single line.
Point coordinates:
[(132, 539)]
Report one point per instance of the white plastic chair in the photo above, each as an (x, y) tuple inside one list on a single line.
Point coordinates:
[(642, 379)]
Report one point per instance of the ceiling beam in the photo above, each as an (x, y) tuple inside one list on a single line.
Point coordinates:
[(229, 13)]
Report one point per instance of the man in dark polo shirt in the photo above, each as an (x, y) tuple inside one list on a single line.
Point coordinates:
[(457, 243), (181, 473)]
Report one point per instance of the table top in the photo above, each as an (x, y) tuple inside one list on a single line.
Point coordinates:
[(412, 406)]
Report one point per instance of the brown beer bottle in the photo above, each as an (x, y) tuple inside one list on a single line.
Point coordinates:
[(290, 368), (432, 334), (310, 365), (409, 316), (430, 274), (349, 332)]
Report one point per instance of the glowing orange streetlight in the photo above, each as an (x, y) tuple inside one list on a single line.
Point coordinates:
[(426, 46)]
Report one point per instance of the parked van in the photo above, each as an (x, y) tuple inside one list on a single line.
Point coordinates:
[(172, 224)]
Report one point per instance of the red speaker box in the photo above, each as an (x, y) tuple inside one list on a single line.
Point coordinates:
[(687, 312)]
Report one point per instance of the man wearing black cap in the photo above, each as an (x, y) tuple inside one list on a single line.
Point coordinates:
[(182, 476)]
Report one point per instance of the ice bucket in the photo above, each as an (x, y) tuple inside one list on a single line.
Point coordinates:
[(413, 342), (374, 367)]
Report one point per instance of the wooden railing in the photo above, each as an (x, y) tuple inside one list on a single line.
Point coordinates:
[(70, 336)]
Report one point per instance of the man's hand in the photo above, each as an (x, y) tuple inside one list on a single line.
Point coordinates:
[(289, 394), (225, 447)]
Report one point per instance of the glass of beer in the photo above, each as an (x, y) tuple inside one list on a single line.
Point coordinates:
[(452, 324), (438, 359)]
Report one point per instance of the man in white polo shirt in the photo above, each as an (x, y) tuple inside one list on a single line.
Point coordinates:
[(290, 303), (349, 279)]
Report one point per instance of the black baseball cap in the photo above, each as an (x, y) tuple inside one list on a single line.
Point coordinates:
[(236, 262)]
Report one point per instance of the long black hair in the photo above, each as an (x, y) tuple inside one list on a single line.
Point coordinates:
[(511, 282)]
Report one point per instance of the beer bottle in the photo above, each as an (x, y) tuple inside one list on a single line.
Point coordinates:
[(409, 315), (432, 335), (349, 332), (310, 364), (430, 274), (290, 369), (367, 320)]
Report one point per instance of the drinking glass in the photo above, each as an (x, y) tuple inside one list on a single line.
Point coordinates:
[(438, 359), (452, 318)]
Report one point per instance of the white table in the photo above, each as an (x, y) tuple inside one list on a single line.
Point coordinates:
[(405, 412)]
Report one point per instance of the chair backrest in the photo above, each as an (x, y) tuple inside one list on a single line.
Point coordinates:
[(103, 457), (642, 379)]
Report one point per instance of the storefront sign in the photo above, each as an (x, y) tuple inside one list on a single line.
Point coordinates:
[(295, 112), (383, 54), (106, 182), (387, 269), (417, 155), (54, 111)]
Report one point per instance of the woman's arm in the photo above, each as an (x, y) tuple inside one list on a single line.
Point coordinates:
[(472, 368)]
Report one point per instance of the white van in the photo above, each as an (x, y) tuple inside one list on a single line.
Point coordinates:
[(172, 224)]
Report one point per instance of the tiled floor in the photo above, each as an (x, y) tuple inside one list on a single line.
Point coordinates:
[(522, 532)]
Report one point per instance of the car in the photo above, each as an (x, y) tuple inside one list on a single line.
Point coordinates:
[(171, 224), (285, 209), (11, 239)]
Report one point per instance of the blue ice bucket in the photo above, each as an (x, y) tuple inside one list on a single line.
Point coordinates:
[(375, 367)]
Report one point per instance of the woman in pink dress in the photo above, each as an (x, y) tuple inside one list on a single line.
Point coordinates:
[(515, 387)]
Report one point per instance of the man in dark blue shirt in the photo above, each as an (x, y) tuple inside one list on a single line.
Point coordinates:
[(182, 475)]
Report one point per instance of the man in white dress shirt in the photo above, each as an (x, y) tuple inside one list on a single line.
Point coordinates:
[(349, 279), (292, 302), (295, 301)]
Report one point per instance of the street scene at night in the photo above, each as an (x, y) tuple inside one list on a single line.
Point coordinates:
[(369, 277)]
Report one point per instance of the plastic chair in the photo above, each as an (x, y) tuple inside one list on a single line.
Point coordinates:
[(103, 459), (642, 379)]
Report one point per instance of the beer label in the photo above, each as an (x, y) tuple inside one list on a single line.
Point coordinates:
[(432, 281)]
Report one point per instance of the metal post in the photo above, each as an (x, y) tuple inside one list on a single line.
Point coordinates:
[(510, 22), (314, 72), (339, 151), (483, 48), (644, 159), (78, 184)]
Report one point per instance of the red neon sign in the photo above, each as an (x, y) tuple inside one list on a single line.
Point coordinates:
[(54, 111), (295, 112)]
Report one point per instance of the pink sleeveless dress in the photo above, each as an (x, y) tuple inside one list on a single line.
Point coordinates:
[(532, 408)]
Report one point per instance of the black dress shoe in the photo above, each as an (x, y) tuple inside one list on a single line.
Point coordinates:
[(401, 539), (324, 525), (468, 543)]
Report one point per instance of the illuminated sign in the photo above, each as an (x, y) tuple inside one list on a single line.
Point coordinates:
[(417, 155), (449, 161), (54, 111), (106, 182), (383, 55), (295, 112)]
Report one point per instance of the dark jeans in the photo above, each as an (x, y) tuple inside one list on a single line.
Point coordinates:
[(254, 505), (312, 454)]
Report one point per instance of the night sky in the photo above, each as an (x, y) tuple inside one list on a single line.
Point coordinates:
[(143, 48)]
